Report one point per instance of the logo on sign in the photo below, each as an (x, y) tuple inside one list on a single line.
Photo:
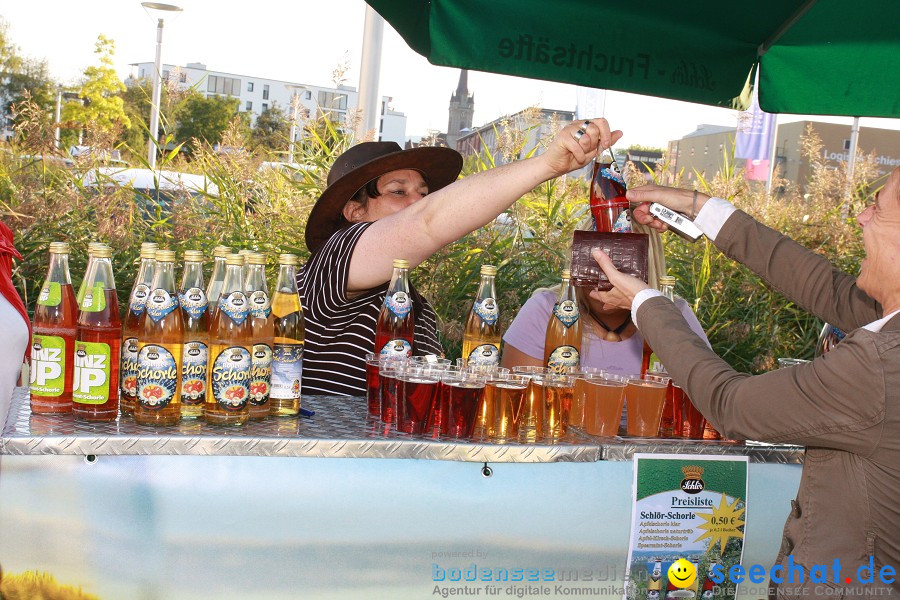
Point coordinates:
[(692, 482)]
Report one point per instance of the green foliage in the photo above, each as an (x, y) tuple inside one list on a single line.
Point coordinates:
[(103, 109), (202, 119), (32, 585), (271, 131), (265, 209), (21, 75)]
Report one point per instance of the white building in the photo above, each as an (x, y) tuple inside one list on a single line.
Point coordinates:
[(256, 94)]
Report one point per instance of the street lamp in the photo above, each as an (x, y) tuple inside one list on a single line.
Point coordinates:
[(157, 8)]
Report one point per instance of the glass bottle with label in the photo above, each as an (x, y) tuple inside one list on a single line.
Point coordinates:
[(396, 323), (53, 337), (217, 278), (562, 343), (160, 340), (829, 337), (649, 361), (98, 337), (90, 259), (230, 352), (195, 317), (481, 340), (262, 324), (137, 300), (609, 206), (245, 253), (287, 355)]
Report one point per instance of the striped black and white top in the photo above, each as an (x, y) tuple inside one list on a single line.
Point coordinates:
[(341, 331)]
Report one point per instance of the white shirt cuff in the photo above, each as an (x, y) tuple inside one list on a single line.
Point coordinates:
[(712, 217), (639, 299)]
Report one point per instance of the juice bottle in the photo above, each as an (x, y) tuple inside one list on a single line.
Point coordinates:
[(649, 361), (262, 325), (481, 340), (80, 295), (562, 344), (287, 355), (230, 352), (396, 322), (608, 202), (53, 337), (137, 300), (160, 349), (98, 337), (217, 278), (246, 268), (195, 318)]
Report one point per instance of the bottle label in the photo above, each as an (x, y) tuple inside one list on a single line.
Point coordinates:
[(159, 304), (610, 174), (287, 371), (487, 310), (94, 299), (235, 305), (90, 381), (138, 298), (129, 366), (260, 307), (563, 357), (231, 378), (622, 223), (260, 374), (48, 365), (193, 302), (485, 354), (400, 304), (395, 349), (51, 294), (157, 376), (567, 312), (193, 373), (655, 365)]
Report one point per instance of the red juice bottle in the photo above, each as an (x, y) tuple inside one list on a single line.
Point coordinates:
[(53, 337), (98, 337), (137, 302), (608, 202), (396, 322)]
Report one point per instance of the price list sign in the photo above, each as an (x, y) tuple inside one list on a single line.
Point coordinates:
[(688, 521)]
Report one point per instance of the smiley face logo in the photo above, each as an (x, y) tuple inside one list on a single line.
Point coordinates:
[(682, 573)]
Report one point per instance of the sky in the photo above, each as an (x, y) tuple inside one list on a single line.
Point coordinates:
[(304, 41)]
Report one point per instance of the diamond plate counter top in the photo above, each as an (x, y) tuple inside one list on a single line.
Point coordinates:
[(339, 429)]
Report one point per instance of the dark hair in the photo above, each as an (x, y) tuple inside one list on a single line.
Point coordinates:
[(362, 195)]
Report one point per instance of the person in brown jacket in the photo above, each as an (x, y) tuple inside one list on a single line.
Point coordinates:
[(844, 406)]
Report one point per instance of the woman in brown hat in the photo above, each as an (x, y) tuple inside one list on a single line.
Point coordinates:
[(383, 203)]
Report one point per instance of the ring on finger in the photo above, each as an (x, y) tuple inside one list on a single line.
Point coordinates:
[(585, 125), (578, 134)]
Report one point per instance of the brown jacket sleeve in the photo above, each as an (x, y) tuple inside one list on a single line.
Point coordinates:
[(836, 401), (805, 277)]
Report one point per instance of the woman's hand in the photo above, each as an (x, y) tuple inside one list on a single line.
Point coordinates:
[(625, 287), (576, 144), (677, 199)]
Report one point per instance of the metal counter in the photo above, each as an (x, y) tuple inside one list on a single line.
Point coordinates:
[(339, 429)]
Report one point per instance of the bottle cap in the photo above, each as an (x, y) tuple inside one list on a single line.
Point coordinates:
[(256, 258), (221, 251), (102, 251), (165, 255), (401, 263), (93, 246), (59, 247), (566, 274), (149, 245), (148, 252), (288, 259), (666, 280), (488, 270), (234, 259), (193, 256), (245, 252)]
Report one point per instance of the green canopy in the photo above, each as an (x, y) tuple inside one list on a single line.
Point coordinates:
[(830, 57)]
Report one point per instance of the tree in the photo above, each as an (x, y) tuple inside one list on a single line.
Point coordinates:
[(19, 74), (204, 119), (272, 130), (102, 108)]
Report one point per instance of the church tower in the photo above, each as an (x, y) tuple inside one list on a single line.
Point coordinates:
[(462, 108)]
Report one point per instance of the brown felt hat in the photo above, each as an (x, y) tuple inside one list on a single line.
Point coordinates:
[(367, 161)]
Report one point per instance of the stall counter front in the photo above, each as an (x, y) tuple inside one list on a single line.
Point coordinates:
[(196, 511)]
